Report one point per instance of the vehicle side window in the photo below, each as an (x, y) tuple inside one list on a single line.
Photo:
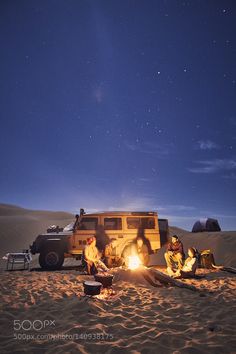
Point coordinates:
[(88, 224), (133, 223), (144, 223), (148, 223), (112, 224)]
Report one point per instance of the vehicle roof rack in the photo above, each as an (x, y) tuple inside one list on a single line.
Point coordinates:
[(129, 213)]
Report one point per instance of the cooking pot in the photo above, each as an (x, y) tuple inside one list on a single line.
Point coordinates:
[(92, 287), (106, 280)]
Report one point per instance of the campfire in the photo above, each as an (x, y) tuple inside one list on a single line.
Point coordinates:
[(101, 287), (134, 262), (106, 294)]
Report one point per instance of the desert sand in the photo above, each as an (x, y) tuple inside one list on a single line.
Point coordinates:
[(137, 318), (47, 312)]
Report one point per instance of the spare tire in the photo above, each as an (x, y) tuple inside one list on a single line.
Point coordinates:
[(51, 258)]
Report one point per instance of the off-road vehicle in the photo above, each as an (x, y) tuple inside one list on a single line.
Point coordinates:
[(124, 226)]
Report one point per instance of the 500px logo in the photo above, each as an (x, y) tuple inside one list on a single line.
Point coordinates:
[(37, 325)]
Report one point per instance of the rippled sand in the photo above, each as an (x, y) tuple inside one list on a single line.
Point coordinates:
[(138, 318)]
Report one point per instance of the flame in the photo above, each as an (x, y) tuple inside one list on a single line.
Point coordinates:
[(106, 293), (134, 262)]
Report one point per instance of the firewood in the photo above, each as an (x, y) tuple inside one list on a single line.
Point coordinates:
[(151, 279), (230, 270), (225, 269), (164, 278)]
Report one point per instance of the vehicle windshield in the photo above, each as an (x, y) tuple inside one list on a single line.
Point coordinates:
[(69, 227)]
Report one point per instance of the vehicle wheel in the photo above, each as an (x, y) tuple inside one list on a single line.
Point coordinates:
[(51, 259)]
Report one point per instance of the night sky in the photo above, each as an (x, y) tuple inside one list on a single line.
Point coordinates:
[(119, 104)]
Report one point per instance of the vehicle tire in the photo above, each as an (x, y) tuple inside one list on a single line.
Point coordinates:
[(51, 258)]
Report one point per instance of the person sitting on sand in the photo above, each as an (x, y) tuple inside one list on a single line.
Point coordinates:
[(112, 258), (92, 257), (136, 248), (189, 267), (142, 251), (174, 253)]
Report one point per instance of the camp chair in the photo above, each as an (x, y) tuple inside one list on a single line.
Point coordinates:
[(23, 257)]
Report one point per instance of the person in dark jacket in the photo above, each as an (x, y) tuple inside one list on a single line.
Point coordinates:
[(137, 248), (174, 253), (142, 251), (112, 257)]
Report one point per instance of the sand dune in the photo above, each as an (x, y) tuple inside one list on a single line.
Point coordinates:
[(19, 226)]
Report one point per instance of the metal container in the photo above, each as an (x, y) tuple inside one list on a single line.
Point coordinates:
[(105, 280), (92, 287)]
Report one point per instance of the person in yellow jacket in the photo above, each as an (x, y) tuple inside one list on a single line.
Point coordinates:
[(189, 268), (92, 257)]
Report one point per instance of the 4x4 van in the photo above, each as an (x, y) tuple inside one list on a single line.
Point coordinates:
[(123, 226)]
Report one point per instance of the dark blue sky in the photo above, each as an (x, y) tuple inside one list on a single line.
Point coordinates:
[(120, 105)]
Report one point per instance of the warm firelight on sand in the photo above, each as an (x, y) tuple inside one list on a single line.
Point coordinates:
[(134, 262)]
